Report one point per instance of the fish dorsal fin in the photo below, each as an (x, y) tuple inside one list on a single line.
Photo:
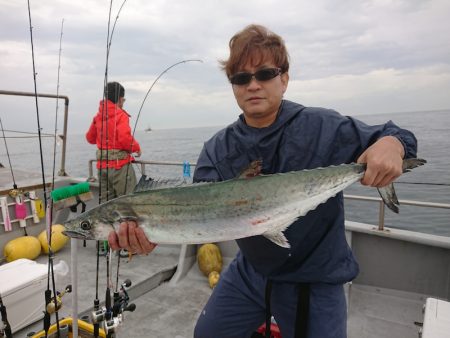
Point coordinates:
[(253, 169), (147, 183)]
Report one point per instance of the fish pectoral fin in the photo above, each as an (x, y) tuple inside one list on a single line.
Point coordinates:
[(278, 238), (252, 170), (125, 214), (389, 197)]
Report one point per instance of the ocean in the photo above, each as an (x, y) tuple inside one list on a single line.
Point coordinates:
[(430, 183)]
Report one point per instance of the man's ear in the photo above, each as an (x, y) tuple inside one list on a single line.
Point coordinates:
[(285, 81)]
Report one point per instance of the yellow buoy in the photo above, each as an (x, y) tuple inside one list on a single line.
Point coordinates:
[(58, 238), (209, 260), (22, 247), (213, 279)]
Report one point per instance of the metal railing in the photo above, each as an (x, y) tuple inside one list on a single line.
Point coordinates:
[(62, 169), (91, 177), (381, 205)]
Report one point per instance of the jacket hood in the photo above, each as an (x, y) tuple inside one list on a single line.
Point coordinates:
[(111, 108)]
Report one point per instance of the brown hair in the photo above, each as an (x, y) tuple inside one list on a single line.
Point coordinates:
[(255, 43)]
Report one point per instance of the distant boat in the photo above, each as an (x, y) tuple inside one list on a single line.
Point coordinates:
[(148, 129)]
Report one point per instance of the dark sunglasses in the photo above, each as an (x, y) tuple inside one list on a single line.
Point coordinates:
[(244, 78)]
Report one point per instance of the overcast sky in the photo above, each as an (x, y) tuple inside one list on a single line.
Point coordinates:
[(356, 56)]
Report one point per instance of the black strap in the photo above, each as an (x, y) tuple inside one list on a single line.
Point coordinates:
[(268, 312), (301, 321)]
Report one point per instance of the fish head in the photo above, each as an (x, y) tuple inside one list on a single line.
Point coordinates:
[(95, 224)]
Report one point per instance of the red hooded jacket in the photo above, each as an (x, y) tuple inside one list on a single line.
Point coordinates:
[(117, 129)]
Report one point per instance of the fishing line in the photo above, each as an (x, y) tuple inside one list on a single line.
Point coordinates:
[(425, 183), (146, 95), (7, 154), (57, 102), (26, 132)]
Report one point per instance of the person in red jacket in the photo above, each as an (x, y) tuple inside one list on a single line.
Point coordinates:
[(110, 130)]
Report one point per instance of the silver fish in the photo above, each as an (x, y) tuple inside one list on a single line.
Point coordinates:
[(213, 212)]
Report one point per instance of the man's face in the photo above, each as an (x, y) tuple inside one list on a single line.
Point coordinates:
[(260, 100)]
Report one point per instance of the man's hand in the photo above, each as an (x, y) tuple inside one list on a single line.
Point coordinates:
[(384, 161), (138, 154), (130, 237)]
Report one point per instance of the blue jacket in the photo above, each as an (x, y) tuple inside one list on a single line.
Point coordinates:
[(300, 138)]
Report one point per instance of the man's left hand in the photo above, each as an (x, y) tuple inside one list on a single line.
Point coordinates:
[(384, 161)]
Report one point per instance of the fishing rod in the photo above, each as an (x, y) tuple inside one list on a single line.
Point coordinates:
[(51, 273), (48, 291), (109, 37), (100, 187)]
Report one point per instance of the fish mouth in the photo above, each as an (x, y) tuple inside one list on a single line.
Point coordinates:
[(74, 234)]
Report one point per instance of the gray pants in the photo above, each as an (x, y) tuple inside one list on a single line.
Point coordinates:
[(116, 182)]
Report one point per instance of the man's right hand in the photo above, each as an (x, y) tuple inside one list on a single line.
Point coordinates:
[(130, 237), (138, 154)]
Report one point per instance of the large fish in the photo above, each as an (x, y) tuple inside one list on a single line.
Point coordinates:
[(212, 212)]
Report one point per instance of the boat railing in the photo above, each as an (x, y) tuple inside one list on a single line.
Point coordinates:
[(141, 163), (381, 205), (62, 169)]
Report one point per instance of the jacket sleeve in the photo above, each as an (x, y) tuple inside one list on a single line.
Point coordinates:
[(91, 135), (346, 138), (370, 134), (124, 138), (205, 170)]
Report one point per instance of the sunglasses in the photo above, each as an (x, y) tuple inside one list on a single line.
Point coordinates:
[(244, 78)]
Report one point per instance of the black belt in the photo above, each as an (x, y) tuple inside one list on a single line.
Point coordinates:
[(302, 315)]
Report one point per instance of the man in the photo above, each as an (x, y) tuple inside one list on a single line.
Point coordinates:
[(110, 130), (302, 287)]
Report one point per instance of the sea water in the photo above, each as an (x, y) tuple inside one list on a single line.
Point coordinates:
[(429, 183)]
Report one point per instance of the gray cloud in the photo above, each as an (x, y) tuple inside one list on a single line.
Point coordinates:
[(354, 56)]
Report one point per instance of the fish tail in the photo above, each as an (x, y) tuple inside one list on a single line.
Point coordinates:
[(388, 194), (389, 197)]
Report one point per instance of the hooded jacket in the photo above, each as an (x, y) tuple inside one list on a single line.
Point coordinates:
[(300, 138), (113, 132)]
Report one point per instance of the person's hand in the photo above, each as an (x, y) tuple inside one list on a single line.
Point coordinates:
[(138, 153), (130, 237), (384, 161)]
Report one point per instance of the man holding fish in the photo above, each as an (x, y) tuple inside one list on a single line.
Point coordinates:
[(301, 286)]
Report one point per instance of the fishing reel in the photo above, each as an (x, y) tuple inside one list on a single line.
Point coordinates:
[(121, 299), (51, 307), (99, 315), (114, 316)]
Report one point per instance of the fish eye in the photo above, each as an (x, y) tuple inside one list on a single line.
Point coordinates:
[(85, 225)]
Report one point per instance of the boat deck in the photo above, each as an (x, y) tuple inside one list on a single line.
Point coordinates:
[(145, 273), (164, 310)]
